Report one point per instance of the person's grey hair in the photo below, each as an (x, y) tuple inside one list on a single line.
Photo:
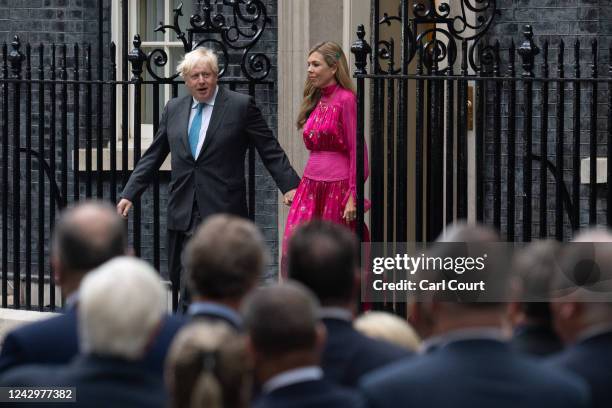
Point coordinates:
[(198, 56), (121, 305), (225, 258), (388, 327), (281, 319), (88, 235), (207, 366)]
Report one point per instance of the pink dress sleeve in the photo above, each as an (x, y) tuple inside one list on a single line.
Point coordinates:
[(349, 128)]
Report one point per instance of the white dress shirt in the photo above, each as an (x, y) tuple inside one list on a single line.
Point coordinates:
[(206, 114)]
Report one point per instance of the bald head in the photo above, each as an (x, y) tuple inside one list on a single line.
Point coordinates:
[(86, 236)]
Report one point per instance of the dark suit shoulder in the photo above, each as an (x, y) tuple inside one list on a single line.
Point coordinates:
[(179, 100), (31, 375), (591, 360), (311, 394), (477, 374), (156, 355), (349, 354), (51, 341)]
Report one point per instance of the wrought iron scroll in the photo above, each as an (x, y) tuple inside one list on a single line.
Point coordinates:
[(437, 31), (240, 29)]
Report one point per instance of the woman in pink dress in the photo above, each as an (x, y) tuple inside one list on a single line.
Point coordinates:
[(328, 118)]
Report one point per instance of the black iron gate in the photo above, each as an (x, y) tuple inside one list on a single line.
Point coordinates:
[(516, 165), (58, 112)]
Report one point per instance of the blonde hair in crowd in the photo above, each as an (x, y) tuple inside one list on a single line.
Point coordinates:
[(195, 57), (207, 366), (388, 327), (334, 57)]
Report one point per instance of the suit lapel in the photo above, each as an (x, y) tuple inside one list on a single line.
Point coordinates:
[(183, 119), (216, 118)]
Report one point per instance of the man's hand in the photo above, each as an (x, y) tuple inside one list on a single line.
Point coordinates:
[(123, 207), (288, 198), (350, 211)]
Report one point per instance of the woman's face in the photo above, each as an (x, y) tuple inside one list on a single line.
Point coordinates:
[(319, 73)]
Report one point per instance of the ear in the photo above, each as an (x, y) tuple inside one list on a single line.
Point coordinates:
[(569, 310), (56, 266), (514, 312), (321, 339), (414, 313), (250, 348), (356, 285)]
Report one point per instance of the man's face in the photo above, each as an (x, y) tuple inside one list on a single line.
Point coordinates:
[(201, 82)]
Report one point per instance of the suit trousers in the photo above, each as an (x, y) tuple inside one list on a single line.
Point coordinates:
[(177, 240)]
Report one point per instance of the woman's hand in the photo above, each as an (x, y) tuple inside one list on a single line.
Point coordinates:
[(350, 211), (288, 197)]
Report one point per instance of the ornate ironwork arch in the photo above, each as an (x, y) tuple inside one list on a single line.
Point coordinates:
[(239, 29), (439, 43)]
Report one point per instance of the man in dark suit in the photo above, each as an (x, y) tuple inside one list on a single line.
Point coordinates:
[(207, 135), (584, 316), (84, 237), (224, 262), (468, 363), (115, 324), (323, 257), (285, 338), (529, 313)]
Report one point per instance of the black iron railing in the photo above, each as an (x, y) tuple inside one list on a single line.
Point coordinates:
[(528, 138), (57, 109)]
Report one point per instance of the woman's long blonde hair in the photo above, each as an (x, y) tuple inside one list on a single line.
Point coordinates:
[(334, 57)]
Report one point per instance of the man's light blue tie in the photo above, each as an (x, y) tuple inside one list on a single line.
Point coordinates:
[(194, 131)]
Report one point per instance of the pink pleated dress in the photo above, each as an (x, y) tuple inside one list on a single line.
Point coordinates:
[(329, 176)]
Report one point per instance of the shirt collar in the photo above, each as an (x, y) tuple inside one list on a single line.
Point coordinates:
[(469, 333), (594, 331), (290, 377), (217, 309), (211, 102), (72, 300), (338, 313)]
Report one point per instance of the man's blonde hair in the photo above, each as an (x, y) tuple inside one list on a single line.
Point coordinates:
[(198, 56)]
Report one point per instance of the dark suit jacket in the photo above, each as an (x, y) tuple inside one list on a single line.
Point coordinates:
[(100, 382), (349, 354), (537, 340), (591, 359), (216, 179), (473, 373), (310, 394), (55, 341)]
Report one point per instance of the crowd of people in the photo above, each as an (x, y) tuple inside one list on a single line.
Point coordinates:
[(301, 342), (296, 343)]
